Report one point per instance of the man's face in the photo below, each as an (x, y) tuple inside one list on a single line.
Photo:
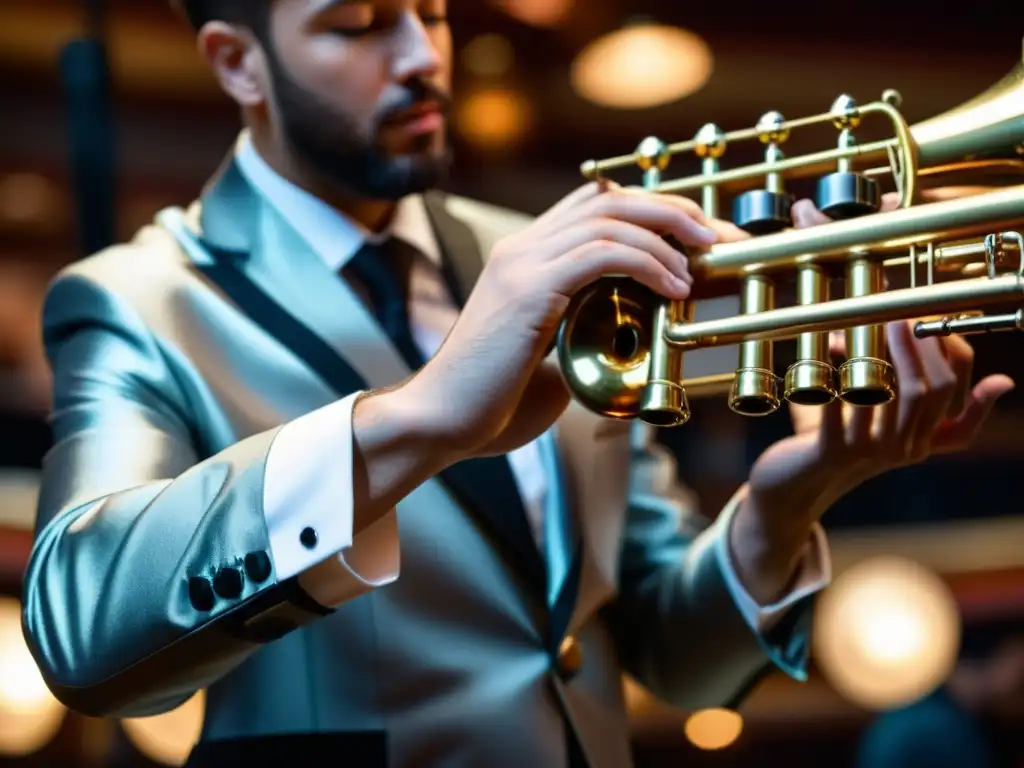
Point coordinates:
[(360, 91)]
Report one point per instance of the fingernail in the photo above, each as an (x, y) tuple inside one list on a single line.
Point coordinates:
[(681, 285), (707, 233)]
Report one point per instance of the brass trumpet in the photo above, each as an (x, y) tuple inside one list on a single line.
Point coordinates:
[(621, 346)]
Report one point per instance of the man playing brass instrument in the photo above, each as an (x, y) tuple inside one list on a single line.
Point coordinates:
[(311, 457)]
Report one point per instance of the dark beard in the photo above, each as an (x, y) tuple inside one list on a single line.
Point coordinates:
[(330, 146)]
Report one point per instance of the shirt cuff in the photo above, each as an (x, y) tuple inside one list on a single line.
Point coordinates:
[(814, 573), (307, 503)]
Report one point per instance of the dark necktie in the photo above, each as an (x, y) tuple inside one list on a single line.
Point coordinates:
[(383, 270)]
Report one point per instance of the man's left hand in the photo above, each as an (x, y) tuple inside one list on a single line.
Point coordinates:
[(838, 447)]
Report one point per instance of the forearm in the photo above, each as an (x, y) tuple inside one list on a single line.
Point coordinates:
[(688, 628), (676, 626)]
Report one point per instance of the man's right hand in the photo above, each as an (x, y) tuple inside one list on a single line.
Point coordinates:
[(487, 390)]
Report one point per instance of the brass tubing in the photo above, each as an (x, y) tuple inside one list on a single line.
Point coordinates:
[(591, 169), (864, 279), (663, 402), (810, 380), (955, 256), (812, 288), (889, 231), (755, 391), (967, 325), (839, 314), (866, 378), (810, 163)]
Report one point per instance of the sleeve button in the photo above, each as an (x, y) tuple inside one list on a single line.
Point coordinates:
[(257, 566), (200, 593), (228, 583)]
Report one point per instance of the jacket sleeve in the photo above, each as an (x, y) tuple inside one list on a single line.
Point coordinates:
[(683, 624), (153, 572)]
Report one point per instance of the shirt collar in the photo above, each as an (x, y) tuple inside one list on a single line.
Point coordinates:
[(332, 235)]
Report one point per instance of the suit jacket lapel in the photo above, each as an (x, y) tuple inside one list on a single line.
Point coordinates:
[(462, 259), (275, 277), (241, 227)]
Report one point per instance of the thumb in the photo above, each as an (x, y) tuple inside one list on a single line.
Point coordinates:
[(889, 201), (837, 343), (806, 214)]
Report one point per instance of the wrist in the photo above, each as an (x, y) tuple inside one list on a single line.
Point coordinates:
[(394, 452), (401, 419), (767, 548)]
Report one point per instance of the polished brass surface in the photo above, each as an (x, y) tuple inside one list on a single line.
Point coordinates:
[(944, 262), (604, 345), (865, 378), (811, 379), (756, 391), (663, 401)]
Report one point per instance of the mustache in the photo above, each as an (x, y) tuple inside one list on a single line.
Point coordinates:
[(413, 94)]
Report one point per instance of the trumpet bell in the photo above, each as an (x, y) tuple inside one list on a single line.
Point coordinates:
[(604, 345)]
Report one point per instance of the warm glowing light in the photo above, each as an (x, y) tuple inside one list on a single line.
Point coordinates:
[(711, 729), (488, 55), (26, 197), (642, 65), (537, 13), (29, 714), (493, 118), (168, 738), (637, 699), (887, 633)]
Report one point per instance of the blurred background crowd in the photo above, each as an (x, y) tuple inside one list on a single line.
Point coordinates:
[(919, 657)]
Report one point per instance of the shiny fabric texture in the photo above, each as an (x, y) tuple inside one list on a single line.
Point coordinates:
[(167, 400)]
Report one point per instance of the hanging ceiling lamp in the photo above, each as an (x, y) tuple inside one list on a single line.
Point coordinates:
[(536, 13), (642, 65)]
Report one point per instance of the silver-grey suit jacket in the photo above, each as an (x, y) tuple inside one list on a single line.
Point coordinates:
[(167, 400)]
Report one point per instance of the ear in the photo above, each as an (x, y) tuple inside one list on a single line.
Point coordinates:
[(236, 60)]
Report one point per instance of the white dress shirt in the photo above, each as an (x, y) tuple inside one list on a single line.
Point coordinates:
[(306, 483)]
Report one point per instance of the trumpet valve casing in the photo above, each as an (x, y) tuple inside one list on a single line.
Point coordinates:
[(622, 347)]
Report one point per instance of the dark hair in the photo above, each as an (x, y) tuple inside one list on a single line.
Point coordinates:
[(249, 13)]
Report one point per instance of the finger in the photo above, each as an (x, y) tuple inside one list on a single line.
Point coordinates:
[(806, 214), (858, 427), (941, 386), (654, 212), (582, 266), (837, 344), (685, 204), (890, 201), (960, 356), (831, 429), (959, 433), (574, 199), (898, 423), (621, 232), (727, 231)]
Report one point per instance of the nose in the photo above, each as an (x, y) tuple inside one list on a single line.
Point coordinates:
[(416, 54)]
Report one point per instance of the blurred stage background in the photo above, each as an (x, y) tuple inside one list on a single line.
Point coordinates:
[(539, 88)]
